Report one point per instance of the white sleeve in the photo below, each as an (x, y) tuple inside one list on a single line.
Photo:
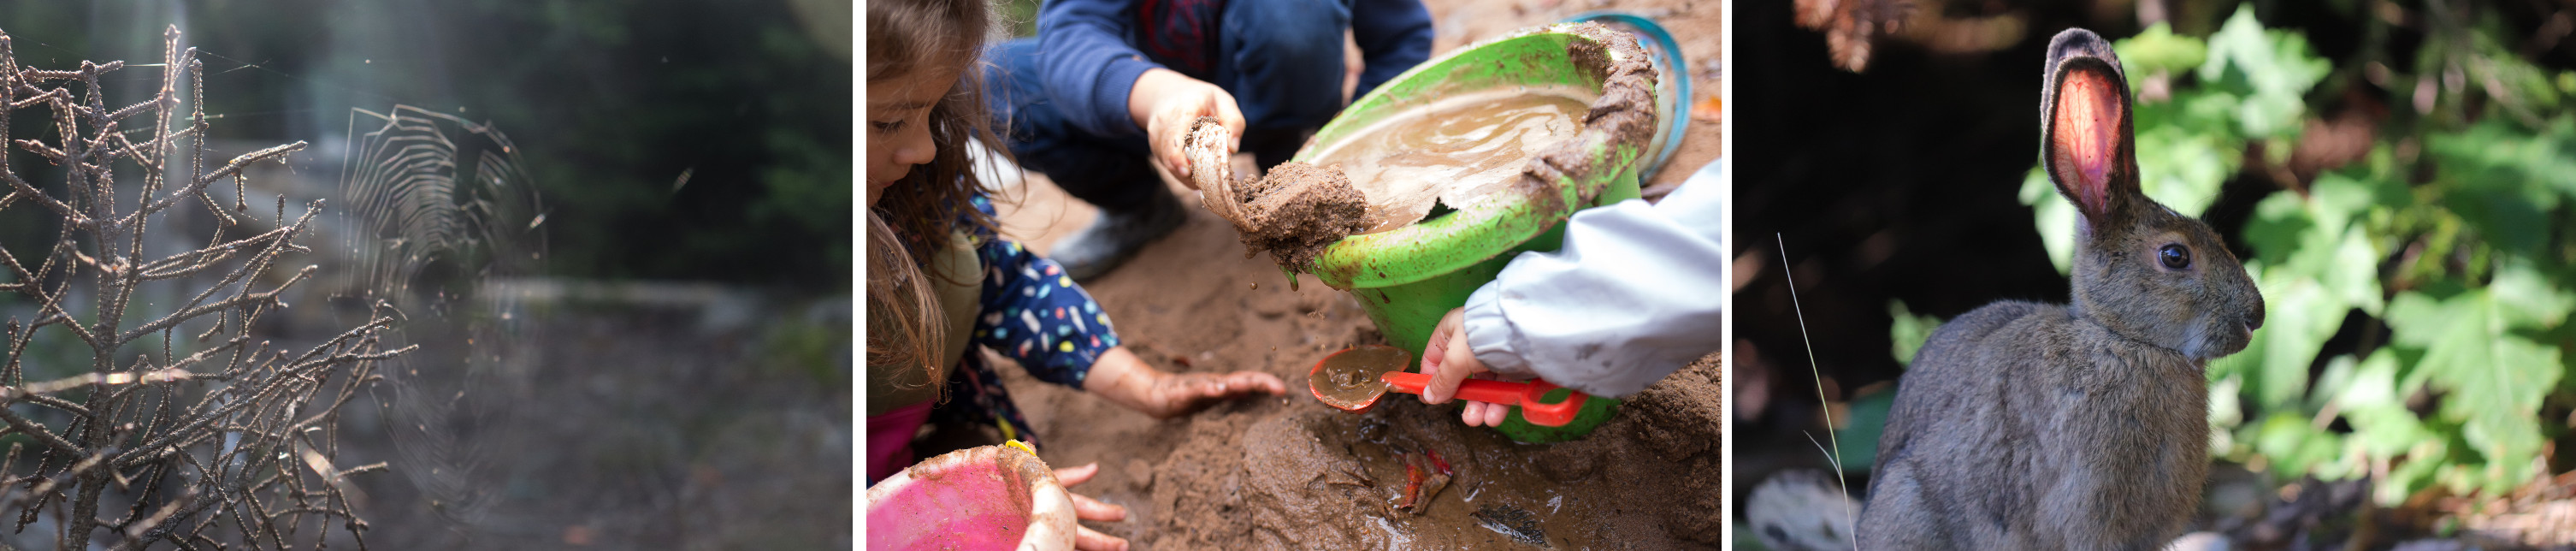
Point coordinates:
[(1635, 294)]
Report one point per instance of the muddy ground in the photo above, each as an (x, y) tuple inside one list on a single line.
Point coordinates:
[(1273, 472), (667, 423)]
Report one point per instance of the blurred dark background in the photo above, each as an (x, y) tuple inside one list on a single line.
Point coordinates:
[(672, 139)]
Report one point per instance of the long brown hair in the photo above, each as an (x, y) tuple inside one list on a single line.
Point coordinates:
[(916, 216)]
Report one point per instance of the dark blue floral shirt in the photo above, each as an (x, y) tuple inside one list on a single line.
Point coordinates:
[(1035, 314)]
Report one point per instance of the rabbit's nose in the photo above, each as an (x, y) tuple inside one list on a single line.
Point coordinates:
[(2255, 323)]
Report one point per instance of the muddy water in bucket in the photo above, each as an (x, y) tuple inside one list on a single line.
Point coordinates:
[(1453, 151)]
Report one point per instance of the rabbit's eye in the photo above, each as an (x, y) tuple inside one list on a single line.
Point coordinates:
[(2175, 257)]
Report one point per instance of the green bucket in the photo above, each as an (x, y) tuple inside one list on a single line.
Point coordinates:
[(1407, 278)]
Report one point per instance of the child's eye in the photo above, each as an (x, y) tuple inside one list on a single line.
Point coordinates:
[(886, 127)]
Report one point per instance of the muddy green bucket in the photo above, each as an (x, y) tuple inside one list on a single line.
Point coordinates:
[(1408, 277)]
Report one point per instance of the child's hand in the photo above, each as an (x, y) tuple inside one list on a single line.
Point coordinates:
[(1085, 508), (1449, 362), (1165, 102), (1121, 377)]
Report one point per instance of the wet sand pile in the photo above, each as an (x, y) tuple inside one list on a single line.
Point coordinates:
[(1293, 212)]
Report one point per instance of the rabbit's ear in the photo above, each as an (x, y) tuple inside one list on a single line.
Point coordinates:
[(2087, 143)]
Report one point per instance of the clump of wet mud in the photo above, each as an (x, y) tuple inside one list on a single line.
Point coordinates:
[(1320, 479), (1293, 212), (1624, 114)]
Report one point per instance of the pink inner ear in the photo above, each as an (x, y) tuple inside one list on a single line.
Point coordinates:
[(2085, 136)]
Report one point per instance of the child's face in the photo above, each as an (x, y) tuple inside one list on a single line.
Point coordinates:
[(899, 125)]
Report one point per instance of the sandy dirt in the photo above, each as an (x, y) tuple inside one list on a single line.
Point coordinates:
[(626, 427)]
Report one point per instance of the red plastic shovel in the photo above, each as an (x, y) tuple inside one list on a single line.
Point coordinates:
[(1342, 380)]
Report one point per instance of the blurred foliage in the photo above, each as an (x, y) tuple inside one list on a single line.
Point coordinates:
[(2416, 299), (814, 346), (1022, 16), (1910, 330), (679, 140), (1858, 426)]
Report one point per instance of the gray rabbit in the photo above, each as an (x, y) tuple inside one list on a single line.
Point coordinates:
[(2024, 425)]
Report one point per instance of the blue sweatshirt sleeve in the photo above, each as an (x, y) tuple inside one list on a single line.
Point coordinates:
[(1089, 65), (1393, 36)]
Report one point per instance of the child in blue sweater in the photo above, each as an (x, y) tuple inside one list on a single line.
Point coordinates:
[(1110, 86)]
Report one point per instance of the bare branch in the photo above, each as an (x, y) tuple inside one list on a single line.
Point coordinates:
[(230, 425)]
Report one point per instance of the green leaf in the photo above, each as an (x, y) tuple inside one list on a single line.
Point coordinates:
[(2496, 379), (2352, 273), (2382, 427), (2294, 445), (2504, 181), (2299, 315), (2336, 200), (2183, 169), (2423, 462), (1909, 330), (2280, 221), (2159, 49), (2526, 299), (2272, 68), (2054, 217)]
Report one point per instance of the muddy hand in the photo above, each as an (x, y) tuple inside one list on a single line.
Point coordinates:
[(1164, 102), (1209, 146), (1085, 508), (1180, 394), (1122, 378), (1449, 361)]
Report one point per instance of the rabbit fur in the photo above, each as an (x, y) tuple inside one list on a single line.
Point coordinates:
[(2024, 425)]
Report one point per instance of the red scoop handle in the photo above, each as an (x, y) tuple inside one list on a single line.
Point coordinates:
[(1527, 395)]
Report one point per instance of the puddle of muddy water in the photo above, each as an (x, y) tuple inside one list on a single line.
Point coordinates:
[(1454, 150)]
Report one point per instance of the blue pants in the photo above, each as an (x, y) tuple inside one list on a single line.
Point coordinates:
[(1281, 59)]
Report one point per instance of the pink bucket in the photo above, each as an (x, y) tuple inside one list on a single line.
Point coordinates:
[(992, 497)]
